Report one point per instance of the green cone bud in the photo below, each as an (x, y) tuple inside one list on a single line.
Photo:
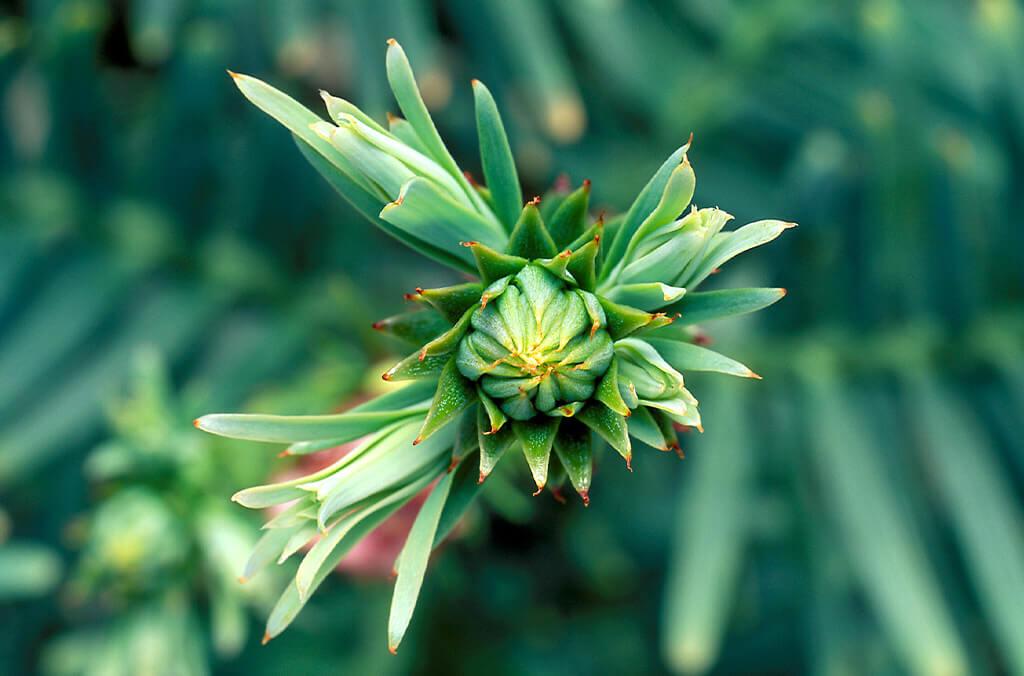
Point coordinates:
[(537, 346)]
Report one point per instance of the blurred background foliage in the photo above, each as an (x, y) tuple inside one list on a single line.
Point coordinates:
[(859, 511)]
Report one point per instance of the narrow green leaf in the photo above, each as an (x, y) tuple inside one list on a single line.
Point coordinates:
[(413, 559), (643, 426), (641, 208), (414, 368), (494, 265), (495, 416), (536, 437), (305, 576), (492, 445), (608, 390), (610, 426), (688, 357), (338, 107), (530, 239), (570, 220), (454, 395), (299, 120), (449, 340), (646, 296), (703, 306), (403, 86), (465, 488), (451, 301), (369, 206), (414, 327), (623, 320), (676, 195), (575, 452), (289, 604), (727, 245), (496, 156), (426, 213), (583, 264), (290, 428)]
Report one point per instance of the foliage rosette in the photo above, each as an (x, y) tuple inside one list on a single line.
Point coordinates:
[(572, 334)]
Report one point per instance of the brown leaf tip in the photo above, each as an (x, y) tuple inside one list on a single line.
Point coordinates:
[(266, 638), (540, 489), (392, 42), (195, 423), (233, 74), (470, 244), (417, 441), (783, 292), (535, 201), (378, 325), (393, 649), (586, 184), (629, 462), (585, 496)]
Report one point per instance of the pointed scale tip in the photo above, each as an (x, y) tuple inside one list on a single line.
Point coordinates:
[(540, 489), (586, 184), (198, 425), (386, 376), (284, 454), (233, 74), (783, 292), (266, 638), (629, 462), (393, 649), (481, 478), (787, 226), (534, 202), (392, 42), (417, 441), (585, 496), (377, 325), (474, 82), (751, 374), (470, 244)]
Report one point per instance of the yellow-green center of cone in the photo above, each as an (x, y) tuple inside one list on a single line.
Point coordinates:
[(537, 346)]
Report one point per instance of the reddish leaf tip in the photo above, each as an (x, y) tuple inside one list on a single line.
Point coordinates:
[(195, 423), (535, 201), (393, 649), (417, 441), (266, 638), (470, 244), (586, 185), (783, 292), (585, 496), (540, 489), (392, 42), (629, 462)]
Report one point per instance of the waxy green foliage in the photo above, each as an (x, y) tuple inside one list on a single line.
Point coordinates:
[(565, 343)]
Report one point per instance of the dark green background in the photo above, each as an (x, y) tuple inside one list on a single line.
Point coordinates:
[(862, 500)]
